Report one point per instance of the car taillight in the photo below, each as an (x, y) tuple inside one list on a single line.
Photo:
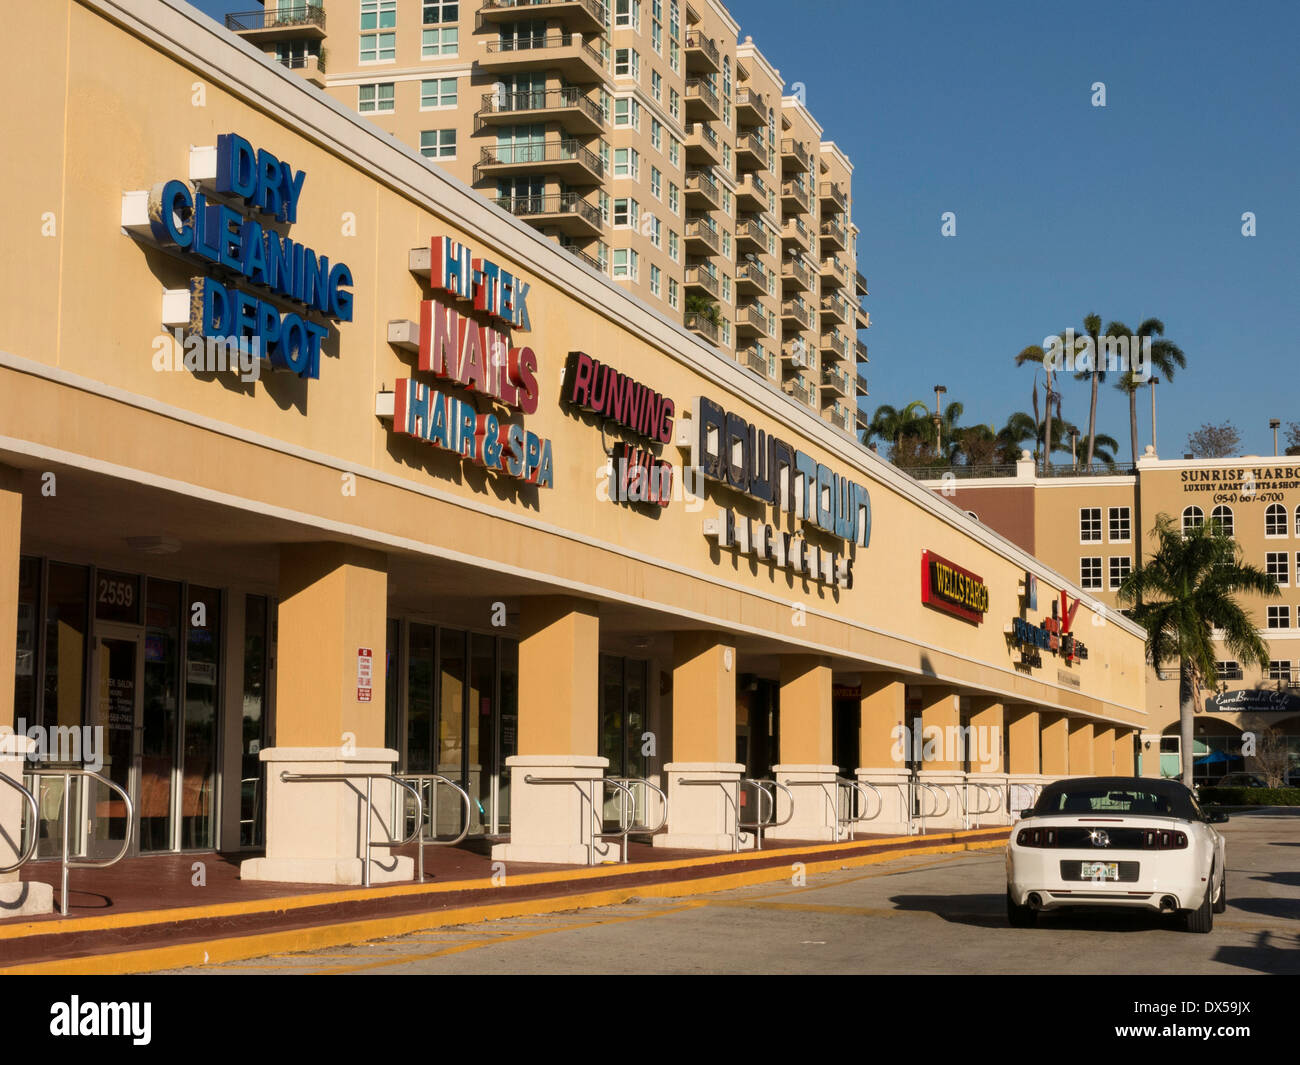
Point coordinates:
[(1159, 839), (1036, 837)]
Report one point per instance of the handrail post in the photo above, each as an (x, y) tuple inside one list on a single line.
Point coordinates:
[(67, 817)]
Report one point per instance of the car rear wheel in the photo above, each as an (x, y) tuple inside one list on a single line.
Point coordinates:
[(1201, 919), (1019, 916), (1221, 896)]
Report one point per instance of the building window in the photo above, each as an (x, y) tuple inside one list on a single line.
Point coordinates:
[(1193, 518), (625, 263), (675, 104), (1090, 573), (1120, 567), (1279, 669), (627, 14), (1277, 563), (1228, 670), (655, 274), (438, 144), (378, 47), (672, 245), (375, 99), (1121, 525), (627, 64), (656, 232), (1297, 520), (1221, 518), (378, 14), (602, 256), (656, 183), (1275, 520), (672, 293), (657, 38), (444, 41), (1279, 617), (675, 152), (437, 93), (656, 135), (441, 11), (626, 213), (657, 86), (675, 57), (1090, 525), (627, 112), (673, 201)]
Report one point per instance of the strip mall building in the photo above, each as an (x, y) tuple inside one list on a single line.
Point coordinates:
[(481, 513)]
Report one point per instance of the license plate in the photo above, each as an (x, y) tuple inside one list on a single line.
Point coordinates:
[(1099, 871)]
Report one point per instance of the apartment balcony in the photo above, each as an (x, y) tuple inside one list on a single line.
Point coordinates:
[(751, 108), (832, 273), (751, 235), (837, 382), (835, 310), (702, 146), (839, 416), (701, 100), (796, 313), (860, 382), (794, 156), (751, 152), (751, 320), (751, 276), (564, 158), (298, 22), (861, 349), (862, 418), (755, 360), (585, 15), (795, 232), (801, 391), (702, 54), (702, 278), (565, 212), (569, 107), (834, 200), (834, 345), (564, 53), (834, 237), (702, 190), (796, 275), (862, 317), (751, 193), (795, 356), (794, 197), (702, 237), (861, 282), (310, 67), (701, 326)]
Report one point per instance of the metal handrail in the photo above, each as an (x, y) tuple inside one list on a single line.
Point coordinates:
[(648, 784), (370, 778), (597, 827), (1034, 789), (66, 816), (857, 785), (724, 782), (419, 780), (932, 789), (36, 816), (760, 786)]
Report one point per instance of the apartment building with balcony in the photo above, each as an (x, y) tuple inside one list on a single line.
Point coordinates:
[(644, 136)]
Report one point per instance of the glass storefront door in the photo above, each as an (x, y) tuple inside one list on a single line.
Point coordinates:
[(116, 722)]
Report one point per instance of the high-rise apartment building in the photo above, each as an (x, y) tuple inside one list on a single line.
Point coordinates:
[(641, 136)]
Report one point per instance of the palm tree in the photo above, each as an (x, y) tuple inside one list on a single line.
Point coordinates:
[(949, 432), (1181, 597), (891, 424), (1035, 354), (1019, 428), (1092, 328), (1165, 357)]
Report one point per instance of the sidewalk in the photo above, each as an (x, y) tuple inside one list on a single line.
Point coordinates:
[(146, 914)]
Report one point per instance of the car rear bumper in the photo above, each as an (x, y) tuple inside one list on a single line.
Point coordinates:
[(1157, 887)]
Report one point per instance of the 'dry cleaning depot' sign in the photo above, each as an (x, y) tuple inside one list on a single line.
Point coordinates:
[(258, 287)]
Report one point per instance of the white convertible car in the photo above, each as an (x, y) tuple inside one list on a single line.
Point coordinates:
[(1117, 841)]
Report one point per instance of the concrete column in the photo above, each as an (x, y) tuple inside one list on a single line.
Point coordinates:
[(331, 638), (703, 816), (942, 764), (1081, 747), (1024, 765), (559, 722), (984, 748), (1103, 750), (1054, 735), (1151, 755), (1124, 759), (882, 750), (806, 760), (17, 896)]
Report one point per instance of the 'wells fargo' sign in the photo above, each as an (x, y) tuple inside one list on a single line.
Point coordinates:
[(952, 589)]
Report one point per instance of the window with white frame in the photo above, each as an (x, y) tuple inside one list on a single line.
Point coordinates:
[(438, 143), (1221, 518), (437, 42), (726, 288), (378, 47), (1275, 520), (1090, 573), (627, 112), (625, 263), (657, 38), (437, 94), (1228, 669), (627, 162), (1277, 564), (674, 19), (675, 104), (626, 212), (1120, 567), (675, 152), (656, 231), (627, 64), (674, 198), (627, 14), (657, 86), (1279, 669), (672, 292), (1193, 518), (602, 256), (1120, 520), (1279, 617), (603, 198), (675, 57), (1297, 520), (441, 11), (673, 252), (655, 275), (375, 99), (656, 135), (1090, 525), (656, 183), (378, 14)]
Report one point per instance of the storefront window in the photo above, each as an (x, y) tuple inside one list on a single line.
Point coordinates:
[(203, 639), (66, 613), (482, 762), (419, 706), (509, 704), (393, 686), (158, 740), (29, 605), (253, 732)]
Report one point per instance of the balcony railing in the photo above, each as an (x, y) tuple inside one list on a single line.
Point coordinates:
[(862, 351), (861, 380), (752, 314), (701, 181), (798, 311), (794, 268), (704, 277), (831, 191), (802, 392), (555, 151), (703, 229), (541, 42), (755, 145), (862, 284), (594, 8), (708, 51), (557, 203), (834, 341), (542, 100), (699, 89), (793, 149), (832, 378), (755, 361), (748, 99), (753, 272), (303, 61), (578, 253), (831, 231), (704, 130), (286, 16), (697, 323), (797, 192), (752, 229)]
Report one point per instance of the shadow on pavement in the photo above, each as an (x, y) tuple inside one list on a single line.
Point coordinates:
[(989, 911), (1270, 954), (1288, 909)]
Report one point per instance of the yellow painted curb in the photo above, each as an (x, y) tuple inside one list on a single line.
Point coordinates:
[(240, 948)]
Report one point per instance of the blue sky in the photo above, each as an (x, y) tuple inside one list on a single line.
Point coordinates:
[(1130, 211)]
